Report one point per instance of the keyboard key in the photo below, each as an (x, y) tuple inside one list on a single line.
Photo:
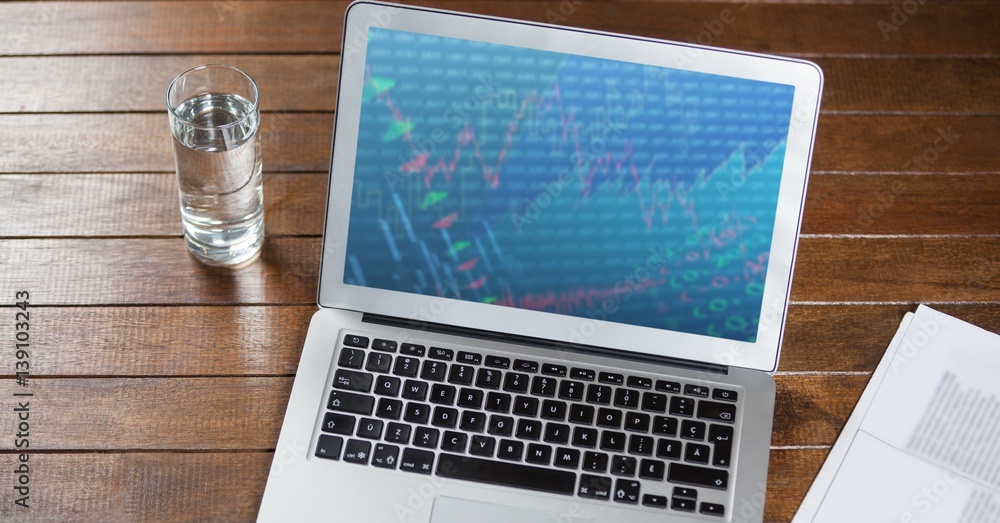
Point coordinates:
[(433, 370), (443, 394), (696, 390), (627, 399), (538, 454), (556, 433), (698, 476), (498, 362), (652, 469), (610, 418), (594, 487), (554, 370), (526, 406), (584, 437), (516, 382), (389, 408), (415, 390), (510, 450), (529, 429), (571, 390), (406, 367), (384, 345), (712, 509), (498, 402), (710, 410), (567, 458), (329, 447), (469, 357), (612, 378), (613, 441), (685, 492), (599, 394), (454, 441), (398, 433), (385, 456), (650, 500), (664, 426), (482, 446), (426, 437), (501, 425), (412, 350), (681, 406), (338, 424), (724, 395), (419, 461), (624, 466), (352, 358), (489, 379), (721, 437), (352, 340), (696, 453), (473, 421), (357, 451), (417, 413), (654, 402), (668, 449), (370, 428), (544, 386), (352, 380), (582, 414), (470, 398), (692, 430), (506, 474), (378, 362), (437, 353), (553, 410), (348, 402), (668, 386), (582, 374), (595, 461), (461, 375), (387, 386), (446, 417), (641, 445), (637, 422), (525, 366), (627, 491), (684, 504), (638, 382)]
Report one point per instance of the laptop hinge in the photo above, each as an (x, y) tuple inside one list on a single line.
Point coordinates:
[(543, 343)]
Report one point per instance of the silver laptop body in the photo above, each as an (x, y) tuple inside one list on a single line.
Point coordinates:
[(556, 268)]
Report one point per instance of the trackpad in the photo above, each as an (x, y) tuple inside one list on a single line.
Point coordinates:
[(452, 510)]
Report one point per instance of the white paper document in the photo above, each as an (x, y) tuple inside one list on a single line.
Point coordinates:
[(923, 444)]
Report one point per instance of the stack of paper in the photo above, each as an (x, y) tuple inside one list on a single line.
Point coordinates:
[(923, 444)]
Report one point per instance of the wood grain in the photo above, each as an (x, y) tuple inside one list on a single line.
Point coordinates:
[(158, 486), (308, 82), (315, 27), (301, 142), (144, 204)]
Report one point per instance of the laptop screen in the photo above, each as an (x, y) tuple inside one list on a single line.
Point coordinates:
[(568, 184)]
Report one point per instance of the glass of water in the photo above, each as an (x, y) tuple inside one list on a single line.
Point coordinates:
[(214, 120)]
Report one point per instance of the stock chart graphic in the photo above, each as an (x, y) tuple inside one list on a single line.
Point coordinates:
[(567, 184)]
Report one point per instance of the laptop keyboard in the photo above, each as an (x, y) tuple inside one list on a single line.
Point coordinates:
[(528, 424)]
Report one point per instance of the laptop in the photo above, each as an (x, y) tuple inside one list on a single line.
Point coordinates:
[(555, 273)]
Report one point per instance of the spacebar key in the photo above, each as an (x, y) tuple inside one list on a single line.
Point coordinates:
[(506, 474)]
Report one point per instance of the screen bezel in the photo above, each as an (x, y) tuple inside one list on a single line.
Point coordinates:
[(762, 354)]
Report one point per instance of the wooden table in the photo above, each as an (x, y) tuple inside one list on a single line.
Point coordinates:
[(159, 384)]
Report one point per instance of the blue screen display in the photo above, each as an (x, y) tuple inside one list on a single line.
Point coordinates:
[(574, 185)]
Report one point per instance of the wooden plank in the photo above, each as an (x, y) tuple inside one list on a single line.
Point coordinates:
[(315, 27), (144, 204), (301, 142), (160, 271), (138, 83), (897, 269), (141, 205), (308, 82), (244, 413), (162, 487)]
